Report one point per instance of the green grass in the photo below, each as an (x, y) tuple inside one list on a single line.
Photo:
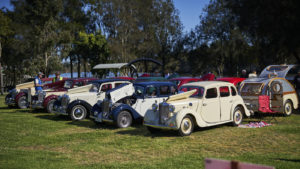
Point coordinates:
[(35, 139)]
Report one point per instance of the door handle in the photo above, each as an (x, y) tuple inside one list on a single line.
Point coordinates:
[(204, 104)]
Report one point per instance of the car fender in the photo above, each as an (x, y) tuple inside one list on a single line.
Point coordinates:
[(79, 102), (293, 97), (96, 107), (19, 95), (236, 103), (198, 119), (115, 112), (48, 98)]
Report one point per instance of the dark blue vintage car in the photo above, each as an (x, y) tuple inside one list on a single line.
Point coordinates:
[(133, 100)]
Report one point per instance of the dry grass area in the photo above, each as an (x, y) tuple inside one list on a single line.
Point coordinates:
[(35, 139)]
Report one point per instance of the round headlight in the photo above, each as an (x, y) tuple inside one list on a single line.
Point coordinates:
[(171, 108), (96, 113), (154, 107)]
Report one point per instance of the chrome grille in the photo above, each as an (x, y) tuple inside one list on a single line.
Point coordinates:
[(41, 96), (105, 107), (64, 101), (163, 112)]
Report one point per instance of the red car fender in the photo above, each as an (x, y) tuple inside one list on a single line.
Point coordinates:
[(19, 95), (48, 98)]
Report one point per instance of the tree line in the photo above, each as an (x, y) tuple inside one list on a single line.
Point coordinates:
[(232, 35)]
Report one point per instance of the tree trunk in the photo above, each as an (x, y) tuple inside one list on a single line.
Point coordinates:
[(84, 67), (78, 66), (71, 66), (46, 64), (1, 76)]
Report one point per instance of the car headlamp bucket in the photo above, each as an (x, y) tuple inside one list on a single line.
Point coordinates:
[(154, 107), (171, 108)]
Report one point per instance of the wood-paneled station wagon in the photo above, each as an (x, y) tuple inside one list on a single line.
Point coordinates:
[(129, 103), (46, 98), (270, 92), (202, 104), (78, 102)]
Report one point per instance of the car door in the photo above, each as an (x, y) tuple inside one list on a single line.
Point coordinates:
[(211, 106), (151, 96), (225, 102), (102, 90)]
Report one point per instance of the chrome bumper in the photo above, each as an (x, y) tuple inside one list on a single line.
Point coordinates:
[(160, 126), (10, 101), (59, 110)]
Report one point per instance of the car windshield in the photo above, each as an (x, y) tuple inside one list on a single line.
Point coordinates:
[(254, 88), (139, 90), (198, 93), (68, 84), (276, 68)]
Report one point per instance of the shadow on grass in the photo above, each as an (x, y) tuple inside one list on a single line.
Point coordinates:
[(54, 117), (142, 131), (289, 160)]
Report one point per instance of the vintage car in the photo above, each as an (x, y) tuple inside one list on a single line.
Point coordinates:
[(202, 104), (179, 81), (271, 92), (78, 102), (236, 81), (13, 97), (130, 102), (46, 98)]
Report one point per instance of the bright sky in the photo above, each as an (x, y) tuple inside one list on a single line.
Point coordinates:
[(189, 11)]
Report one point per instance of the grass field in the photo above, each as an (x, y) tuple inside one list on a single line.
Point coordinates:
[(35, 139)]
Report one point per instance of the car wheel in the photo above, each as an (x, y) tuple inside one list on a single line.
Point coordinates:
[(153, 130), (22, 102), (288, 108), (78, 113), (187, 126), (237, 116), (50, 105), (124, 119)]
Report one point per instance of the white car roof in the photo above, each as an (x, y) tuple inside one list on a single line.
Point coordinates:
[(208, 84)]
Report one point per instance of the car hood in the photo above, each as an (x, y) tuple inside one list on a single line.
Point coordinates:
[(81, 89), (181, 96)]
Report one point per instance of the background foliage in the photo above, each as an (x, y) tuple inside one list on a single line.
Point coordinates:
[(64, 35)]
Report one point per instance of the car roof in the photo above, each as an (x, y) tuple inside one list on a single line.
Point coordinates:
[(155, 83), (183, 78), (108, 80), (208, 83)]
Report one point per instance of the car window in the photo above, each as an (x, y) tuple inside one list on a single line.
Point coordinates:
[(68, 84), (211, 93), (95, 87), (233, 91), (199, 90), (164, 90), (224, 91), (118, 84), (106, 87), (151, 91), (173, 90), (139, 90), (77, 84)]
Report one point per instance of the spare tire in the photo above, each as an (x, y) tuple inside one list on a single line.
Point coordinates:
[(276, 87)]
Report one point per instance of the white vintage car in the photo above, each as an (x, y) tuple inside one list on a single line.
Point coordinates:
[(271, 92), (129, 103), (77, 102), (202, 104)]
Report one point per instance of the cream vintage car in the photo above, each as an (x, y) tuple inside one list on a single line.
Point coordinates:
[(271, 92), (77, 102), (202, 104)]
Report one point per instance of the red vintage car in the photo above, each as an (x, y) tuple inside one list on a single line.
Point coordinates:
[(46, 98), (22, 89), (179, 81), (234, 80)]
